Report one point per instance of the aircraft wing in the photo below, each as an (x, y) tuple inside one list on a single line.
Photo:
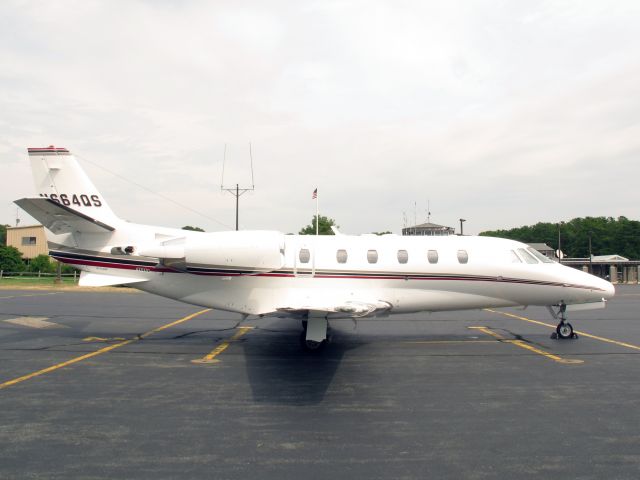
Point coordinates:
[(352, 309), (59, 218)]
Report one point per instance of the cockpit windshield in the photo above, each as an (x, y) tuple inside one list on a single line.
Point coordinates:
[(526, 256), (539, 256)]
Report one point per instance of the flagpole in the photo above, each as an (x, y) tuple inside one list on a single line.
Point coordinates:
[(315, 240)]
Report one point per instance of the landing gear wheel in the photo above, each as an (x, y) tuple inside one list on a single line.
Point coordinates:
[(565, 330), (310, 345)]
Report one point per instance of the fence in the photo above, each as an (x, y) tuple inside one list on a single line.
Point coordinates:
[(34, 275)]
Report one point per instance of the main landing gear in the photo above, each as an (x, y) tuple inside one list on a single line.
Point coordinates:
[(564, 330), (314, 334)]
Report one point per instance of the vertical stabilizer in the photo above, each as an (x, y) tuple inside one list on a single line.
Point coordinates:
[(59, 176)]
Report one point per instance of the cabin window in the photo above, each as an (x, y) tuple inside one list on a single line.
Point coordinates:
[(403, 256), (341, 256), (463, 256), (432, 256), (526, 256), (539, 256), (304, 255), (372, 256), (28, 240)]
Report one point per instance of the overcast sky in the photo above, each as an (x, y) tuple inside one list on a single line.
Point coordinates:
[(503, 113)]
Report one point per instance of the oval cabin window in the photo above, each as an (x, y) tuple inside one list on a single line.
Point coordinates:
[(372, 256), (463, 256), (403, 256), (432, 256), (341, 256), (304, 255)]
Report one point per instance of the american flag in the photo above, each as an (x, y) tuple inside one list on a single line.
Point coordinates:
[(315, 194)]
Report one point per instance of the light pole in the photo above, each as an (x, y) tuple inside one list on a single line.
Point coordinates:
[(462, 220), (559, 244), (590, 255)]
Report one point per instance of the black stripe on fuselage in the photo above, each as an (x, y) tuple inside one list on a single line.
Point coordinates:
[(150, 265)]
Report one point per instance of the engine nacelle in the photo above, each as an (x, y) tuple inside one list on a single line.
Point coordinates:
[(247, 250)]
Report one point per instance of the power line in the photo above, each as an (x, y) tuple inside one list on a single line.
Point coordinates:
[(169, 199)]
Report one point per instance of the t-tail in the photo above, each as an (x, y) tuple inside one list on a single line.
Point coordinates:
[(58, 177)]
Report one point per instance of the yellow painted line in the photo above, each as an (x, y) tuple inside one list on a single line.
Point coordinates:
[(488, 331), (100, 339), (584, 334), (526, 346), (432, 342), (550, 356), (211, 357), (98, 352)]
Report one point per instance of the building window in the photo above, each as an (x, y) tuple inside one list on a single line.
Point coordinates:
[(463, 256), (432, 256), (28, 240), (304, 255), (341, 256), (403, 256), (372, 256)]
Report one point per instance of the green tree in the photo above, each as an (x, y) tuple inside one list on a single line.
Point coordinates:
[(42, 263), (382, 233), (324, 226), (11, 259), (193, 229), (608, 236), (3, 234)]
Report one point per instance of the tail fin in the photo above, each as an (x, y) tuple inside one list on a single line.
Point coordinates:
[(59, 177)]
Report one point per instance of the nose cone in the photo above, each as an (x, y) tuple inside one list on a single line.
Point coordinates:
[(608, 289)]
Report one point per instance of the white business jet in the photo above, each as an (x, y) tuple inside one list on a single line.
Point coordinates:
[(312, 278)]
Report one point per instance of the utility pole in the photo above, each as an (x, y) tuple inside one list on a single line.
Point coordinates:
[(590, 255), (559, 245), (237, 191), (462, 220)]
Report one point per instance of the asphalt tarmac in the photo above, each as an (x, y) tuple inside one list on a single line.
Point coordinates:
[(122, 385)]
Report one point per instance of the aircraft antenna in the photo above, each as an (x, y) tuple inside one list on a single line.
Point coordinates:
[(224, 159), (251, 159), (237, 191)]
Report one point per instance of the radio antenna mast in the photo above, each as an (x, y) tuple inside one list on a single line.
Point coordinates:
[(237, 191)]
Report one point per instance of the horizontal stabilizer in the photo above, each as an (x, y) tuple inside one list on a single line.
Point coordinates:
[(88, 279), (59, 218)]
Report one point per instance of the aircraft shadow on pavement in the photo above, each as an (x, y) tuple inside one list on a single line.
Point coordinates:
[(281, 372)]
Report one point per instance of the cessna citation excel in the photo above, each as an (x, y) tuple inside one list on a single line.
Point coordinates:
[(311, 278)]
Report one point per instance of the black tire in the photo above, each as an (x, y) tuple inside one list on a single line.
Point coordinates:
[(564, 330), (309, 345)]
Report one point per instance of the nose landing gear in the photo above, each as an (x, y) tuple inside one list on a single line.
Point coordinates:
[(564, 330)]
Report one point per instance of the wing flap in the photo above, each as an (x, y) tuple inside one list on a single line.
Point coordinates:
[(59, 218), (350, 309)]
